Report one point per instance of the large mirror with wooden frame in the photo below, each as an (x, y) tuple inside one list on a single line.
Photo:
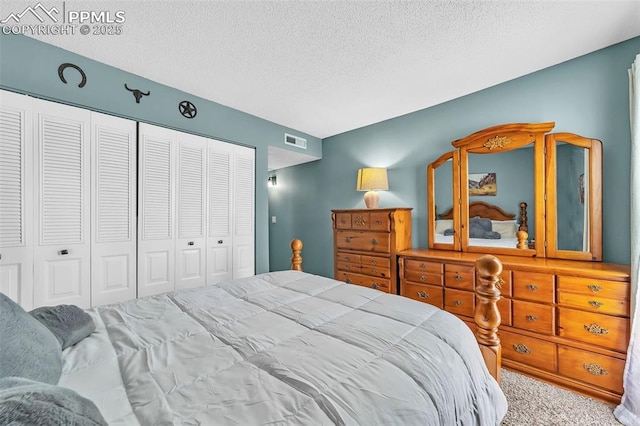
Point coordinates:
[(509, 194)]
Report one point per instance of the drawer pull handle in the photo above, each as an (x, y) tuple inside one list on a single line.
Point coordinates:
[(594, 304), (378, 222), (500, 283), (347, 258), (531, 318), (594, 288), (595, 369), (347, 240), (458, 277), (375, 286), (423, 266), (521, 348), (63, 252), (596, 329), (343, 221), (374, 241), (348, 281), (423, 295), (374, 271), (423, 278), (374, 262), (532, 287), (459, 303)]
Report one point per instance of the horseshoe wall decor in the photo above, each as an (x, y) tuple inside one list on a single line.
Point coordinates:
[(187, 109), (138, 94), (62, 67)]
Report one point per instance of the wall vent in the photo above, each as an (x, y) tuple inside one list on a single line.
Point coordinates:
[(295, 141)]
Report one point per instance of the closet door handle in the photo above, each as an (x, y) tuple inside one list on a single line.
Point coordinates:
[(190, 243), (220, 241), (63, 252)]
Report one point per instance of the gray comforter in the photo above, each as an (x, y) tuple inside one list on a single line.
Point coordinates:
[(284, 348)]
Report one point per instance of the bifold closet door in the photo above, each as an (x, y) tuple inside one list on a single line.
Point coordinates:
[(244, 212), (113, 207), (16, 198), (62, 247), (219, 240), (191, 182), (156, 210)]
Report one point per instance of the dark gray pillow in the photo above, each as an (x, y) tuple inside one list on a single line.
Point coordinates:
[(29, 349), (68, 323), (25, 402), (480, 227)]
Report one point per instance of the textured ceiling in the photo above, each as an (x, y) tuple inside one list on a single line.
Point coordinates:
[(328, 67)]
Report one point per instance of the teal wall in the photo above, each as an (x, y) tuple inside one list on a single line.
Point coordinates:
[(31, 67), (588, 96)]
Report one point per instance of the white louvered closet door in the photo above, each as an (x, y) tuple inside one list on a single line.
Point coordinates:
[(16, 202), (191, 211), (219, 241), (156, 198), (113, 206), (62, 252), (244, 212)]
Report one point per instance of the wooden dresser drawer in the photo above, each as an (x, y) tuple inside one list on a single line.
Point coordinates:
[(424, 293), (375, 271), (533, 317), (591, 368), (594, 287), (375, 261), (598, 329), (379, 222), (347, 266), (459, 302), (504, 306), (594, 303), (423, 266), (343, 220), (381, 284), (363, 241), (528, 350), (534, 286), (348, 257), (423, 278), (459, 276)]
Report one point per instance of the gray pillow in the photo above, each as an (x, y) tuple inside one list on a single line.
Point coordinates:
[(68, 323), (480, 227), (25, 402), (29, 349)]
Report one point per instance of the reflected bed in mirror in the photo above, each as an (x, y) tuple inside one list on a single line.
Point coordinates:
[(490, 226)]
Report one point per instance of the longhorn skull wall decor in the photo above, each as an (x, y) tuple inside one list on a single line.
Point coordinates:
[(137, 93)]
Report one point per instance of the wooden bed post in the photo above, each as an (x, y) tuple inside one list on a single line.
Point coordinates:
[(487, 315), (296, 259)]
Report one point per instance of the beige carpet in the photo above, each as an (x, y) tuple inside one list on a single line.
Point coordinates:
[(532, 402)]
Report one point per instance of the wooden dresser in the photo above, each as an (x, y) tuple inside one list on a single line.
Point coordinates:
[(365, 245), (563, 321)]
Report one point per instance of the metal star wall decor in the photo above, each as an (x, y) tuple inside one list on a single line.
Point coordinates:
[(187, 109)]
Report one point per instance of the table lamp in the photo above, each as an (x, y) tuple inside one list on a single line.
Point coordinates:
[(372, 179)]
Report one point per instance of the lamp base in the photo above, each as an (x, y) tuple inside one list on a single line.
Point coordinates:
[(371, 199)]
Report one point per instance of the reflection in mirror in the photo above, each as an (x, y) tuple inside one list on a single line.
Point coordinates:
[(442, 176), (503, 179), (572, 189)]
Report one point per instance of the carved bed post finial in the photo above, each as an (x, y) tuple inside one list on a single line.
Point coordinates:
[(296, 259), (487, 315), (523, 217)]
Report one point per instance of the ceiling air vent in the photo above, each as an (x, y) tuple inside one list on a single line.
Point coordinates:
[(295, 141)]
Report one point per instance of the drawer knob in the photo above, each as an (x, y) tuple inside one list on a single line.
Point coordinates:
[(374, 241), (532, 287), (374, 262), (423, 278), (458, 277), (596, 329), (343, 221), (531, 318), (347, 240), (594, 288), (375, 286), (458, 303), (595, 369), (422, 266), (595, 304), (521, 348), (423, 295), (374, 271)]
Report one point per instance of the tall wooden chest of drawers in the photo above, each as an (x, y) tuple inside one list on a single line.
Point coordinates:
[(563, 321), (365, 244)]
